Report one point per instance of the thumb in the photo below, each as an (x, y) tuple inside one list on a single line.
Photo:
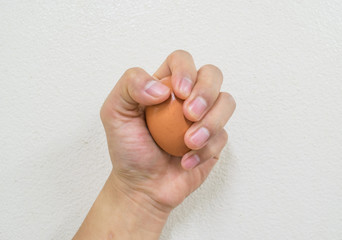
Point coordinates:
[(135, 88)]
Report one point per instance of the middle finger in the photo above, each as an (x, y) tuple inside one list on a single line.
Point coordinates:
[(204, 93)]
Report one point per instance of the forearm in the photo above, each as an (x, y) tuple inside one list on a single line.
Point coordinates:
[(117, 214)]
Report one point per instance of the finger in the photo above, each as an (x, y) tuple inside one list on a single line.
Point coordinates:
[(181, 67), (199, 133), (204, 93), (211, 150), (135, 88)]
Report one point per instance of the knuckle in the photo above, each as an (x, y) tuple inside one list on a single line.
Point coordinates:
[(132, 73), (109, 116), (103, 113), (229, 99), (232, 101), (212, 68), (179, 54), (226, 96), (225, 136)]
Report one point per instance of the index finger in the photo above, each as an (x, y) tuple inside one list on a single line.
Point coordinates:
[(181, 67)]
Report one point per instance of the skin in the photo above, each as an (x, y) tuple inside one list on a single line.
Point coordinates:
[(146, 183)]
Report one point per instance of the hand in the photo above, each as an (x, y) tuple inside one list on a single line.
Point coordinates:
[(145, 174)]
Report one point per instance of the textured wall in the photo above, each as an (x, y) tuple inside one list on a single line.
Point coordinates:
[(280, 177)]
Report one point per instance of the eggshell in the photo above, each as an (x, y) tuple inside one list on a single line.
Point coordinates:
[(167, 123)]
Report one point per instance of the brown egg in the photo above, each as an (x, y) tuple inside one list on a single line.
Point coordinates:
[(167, 123)]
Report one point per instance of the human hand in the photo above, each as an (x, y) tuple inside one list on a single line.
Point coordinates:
[(153, 181), (138, 163)]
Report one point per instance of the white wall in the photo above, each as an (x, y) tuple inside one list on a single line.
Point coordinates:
[(280, 176)]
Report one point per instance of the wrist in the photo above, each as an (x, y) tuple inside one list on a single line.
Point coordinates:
[(122, 213), (139, 213)]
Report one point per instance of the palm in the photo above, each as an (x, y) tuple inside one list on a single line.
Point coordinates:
[(153, 171)]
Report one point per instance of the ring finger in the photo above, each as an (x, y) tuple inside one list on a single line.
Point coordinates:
[(200, 132)]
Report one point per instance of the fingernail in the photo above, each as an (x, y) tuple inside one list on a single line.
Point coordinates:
[(156, 89), (185, 86), (191, 162), (200, 136), (197, 107)]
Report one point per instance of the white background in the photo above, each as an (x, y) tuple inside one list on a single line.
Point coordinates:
[(280, 177)]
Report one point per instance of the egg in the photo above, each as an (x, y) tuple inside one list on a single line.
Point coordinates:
[(167, 123)]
